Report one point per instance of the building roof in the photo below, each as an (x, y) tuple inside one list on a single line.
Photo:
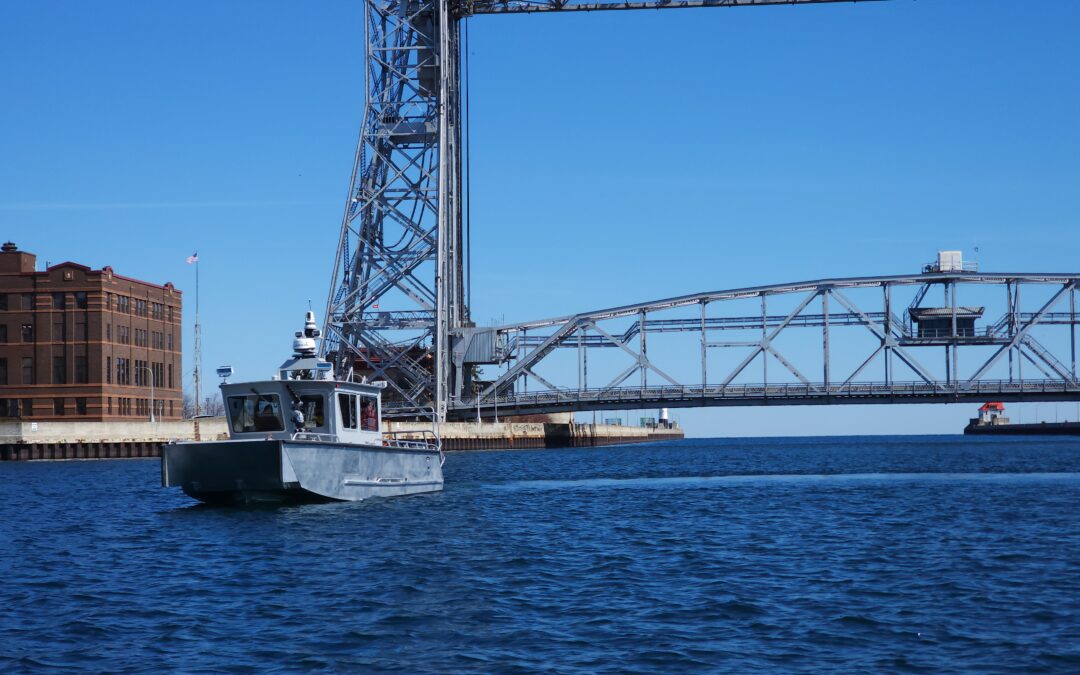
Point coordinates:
[(918, 313), (108, 271)]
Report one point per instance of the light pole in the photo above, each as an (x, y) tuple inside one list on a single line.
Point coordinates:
[(147, 369)]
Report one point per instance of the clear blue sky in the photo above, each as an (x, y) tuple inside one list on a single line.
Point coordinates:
[(617, 156)]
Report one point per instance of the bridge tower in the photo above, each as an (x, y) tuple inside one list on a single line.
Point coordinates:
[(397, 296), (397, 288)]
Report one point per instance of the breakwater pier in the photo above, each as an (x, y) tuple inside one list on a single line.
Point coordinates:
[(23, 441), (101, 440)]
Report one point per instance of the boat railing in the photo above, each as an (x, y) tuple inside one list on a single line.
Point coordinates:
[(314, 436), (428, 439), (405, 444)]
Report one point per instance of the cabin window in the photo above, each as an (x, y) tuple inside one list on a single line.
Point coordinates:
[(369, 413), (347, 406), (255, 412), (313, 408)]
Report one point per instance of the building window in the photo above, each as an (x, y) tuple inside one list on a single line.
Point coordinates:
[(108, 370), (82, 374), (170, 377), (28, 301), (80, 300), (3, 301), (28, 332), (108, 301), (58, 407), (110, 405), (80, 406), (9, 408), (80, 329), (123, 373), (28, 407), (58, 300), (170, 310), (3, 332), (3, 371), (170, 342), (108, 332), (123, 333), (58, 329), (28, 370), (59, 370)]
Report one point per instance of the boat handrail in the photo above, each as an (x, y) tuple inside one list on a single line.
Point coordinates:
[(314, 436), (418, 432), (404, 444)]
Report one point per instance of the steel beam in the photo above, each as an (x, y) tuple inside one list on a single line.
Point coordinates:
[(534, 6)]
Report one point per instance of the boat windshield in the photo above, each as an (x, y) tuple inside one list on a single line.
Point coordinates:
[(255, 412)]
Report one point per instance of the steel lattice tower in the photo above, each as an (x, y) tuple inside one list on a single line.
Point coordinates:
[(397, 288)]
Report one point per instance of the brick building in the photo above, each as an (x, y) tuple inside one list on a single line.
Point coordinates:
[(83, 344)]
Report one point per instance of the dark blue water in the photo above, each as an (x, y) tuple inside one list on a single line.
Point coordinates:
[(850, 554)]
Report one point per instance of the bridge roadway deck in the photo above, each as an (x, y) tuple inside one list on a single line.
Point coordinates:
[(632, 398)]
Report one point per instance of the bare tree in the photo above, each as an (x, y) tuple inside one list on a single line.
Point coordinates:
[(211, 405)]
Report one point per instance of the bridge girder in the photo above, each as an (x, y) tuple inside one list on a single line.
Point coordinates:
[(535, 6)]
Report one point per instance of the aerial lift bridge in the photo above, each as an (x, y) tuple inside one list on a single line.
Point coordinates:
[(398, 303)]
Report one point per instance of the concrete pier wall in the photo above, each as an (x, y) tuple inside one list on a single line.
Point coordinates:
[(101, 440), (106, 440), (492, 436)]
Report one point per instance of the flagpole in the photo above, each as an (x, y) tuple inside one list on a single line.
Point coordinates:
[(198, 344)]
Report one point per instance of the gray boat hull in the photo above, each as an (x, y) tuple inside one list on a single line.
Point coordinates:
[(253, 471)]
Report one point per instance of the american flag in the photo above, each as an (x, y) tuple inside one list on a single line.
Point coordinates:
[(193, 258)]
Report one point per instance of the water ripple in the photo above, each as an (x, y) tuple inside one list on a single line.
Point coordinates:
[(895, 554)]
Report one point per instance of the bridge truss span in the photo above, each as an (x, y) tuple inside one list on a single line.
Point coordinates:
[(930, 338)]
